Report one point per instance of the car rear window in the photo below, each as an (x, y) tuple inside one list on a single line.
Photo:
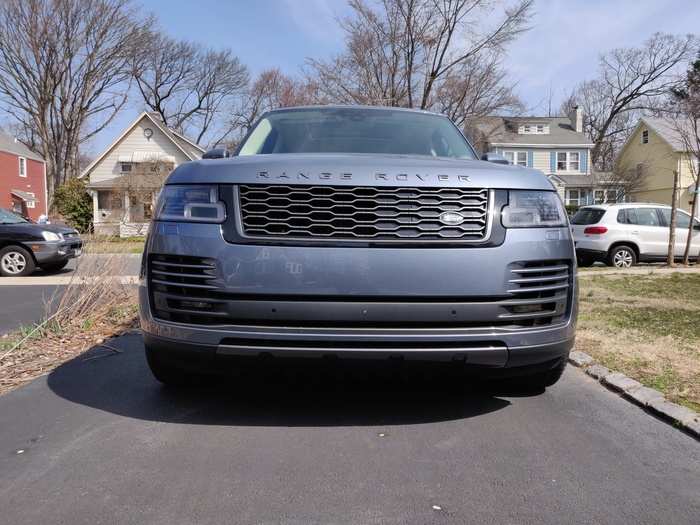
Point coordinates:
[(588, 216)]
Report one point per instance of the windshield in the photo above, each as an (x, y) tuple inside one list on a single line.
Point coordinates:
[(356, 130), (7, 217), (587, 216)]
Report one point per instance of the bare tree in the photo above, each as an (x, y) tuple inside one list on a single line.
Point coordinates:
[(187, 85), (626, 177), (685, 109), (671, 257), (630, 81), (428, 54), (271, 89), (65, 67)]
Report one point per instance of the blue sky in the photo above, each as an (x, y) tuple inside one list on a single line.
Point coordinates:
[(560, 50)]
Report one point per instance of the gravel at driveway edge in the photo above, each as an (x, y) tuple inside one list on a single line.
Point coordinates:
[(648, 398)]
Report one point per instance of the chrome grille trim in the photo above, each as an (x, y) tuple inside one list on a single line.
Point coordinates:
[(363, 214)]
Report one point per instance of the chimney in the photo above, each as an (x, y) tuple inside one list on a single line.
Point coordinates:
[(576, 118)]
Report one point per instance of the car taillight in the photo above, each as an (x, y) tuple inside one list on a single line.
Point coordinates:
[(595, 230)]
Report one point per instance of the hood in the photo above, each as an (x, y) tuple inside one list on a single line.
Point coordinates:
[(359, 170), (36, 229)]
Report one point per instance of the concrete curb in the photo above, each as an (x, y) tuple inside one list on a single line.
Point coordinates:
[(647, 398)]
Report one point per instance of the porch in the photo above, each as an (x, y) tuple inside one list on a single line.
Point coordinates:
[(119, 208)]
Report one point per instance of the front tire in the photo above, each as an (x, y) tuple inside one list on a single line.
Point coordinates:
[(622, 256), (544, 379), (15, 261), (165, 372)]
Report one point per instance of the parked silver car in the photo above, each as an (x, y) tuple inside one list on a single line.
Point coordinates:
[(623, 234)]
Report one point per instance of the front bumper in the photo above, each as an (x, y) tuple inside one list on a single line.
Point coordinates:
[(422, 303), (53, 252)]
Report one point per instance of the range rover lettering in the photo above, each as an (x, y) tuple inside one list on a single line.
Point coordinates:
[(358, 232)]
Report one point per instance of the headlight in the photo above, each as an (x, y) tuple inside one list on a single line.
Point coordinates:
[(533, 209), (190, 203), (51, 236)]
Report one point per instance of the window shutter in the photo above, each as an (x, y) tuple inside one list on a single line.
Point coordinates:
[(553, 161), (529, 158), (584, 161)]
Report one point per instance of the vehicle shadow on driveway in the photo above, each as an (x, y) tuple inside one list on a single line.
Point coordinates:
[(302, 394)]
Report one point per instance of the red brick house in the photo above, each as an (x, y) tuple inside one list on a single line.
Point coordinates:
[(22, 179)]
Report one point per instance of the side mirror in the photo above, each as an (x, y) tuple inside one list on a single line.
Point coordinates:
[(495, 158), (216, 153)]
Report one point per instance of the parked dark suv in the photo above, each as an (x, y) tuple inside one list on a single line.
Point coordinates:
[(358, 232), (24, 245)]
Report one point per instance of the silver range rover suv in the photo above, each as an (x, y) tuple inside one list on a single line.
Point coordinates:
[(358, 232)]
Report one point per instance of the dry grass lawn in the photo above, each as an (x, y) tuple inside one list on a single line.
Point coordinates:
[(647, 326)]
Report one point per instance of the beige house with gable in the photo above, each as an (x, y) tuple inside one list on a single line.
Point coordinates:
[(124, 180), (655, 150)]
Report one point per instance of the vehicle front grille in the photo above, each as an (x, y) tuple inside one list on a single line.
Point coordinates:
[(364, 213), (541, 291)]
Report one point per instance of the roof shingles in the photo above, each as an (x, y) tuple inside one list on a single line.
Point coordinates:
[(503, 131)]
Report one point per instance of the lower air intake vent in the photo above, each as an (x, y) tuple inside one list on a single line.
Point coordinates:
[(541, 291), (183, 288)]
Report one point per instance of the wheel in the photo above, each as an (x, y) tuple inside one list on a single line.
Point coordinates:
[(622, 256), (167, 373), (541, 380), (54, 267), (15, 261)]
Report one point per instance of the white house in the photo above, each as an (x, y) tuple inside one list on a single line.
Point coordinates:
[(125, 178)]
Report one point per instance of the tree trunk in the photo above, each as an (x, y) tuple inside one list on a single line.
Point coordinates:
[(693, 212), (670, 260)]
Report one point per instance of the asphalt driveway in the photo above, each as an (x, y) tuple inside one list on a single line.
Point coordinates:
[(99, 441), (23, 300)]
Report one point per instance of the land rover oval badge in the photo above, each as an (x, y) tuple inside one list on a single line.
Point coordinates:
[(451, 218)]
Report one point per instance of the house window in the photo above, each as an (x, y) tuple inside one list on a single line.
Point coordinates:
[(31, 203), (109, 200), (573, 197), (645, 136), (22, 167), (604, 196), (568, 161), (518, 158), (533, 129), (126, 167)]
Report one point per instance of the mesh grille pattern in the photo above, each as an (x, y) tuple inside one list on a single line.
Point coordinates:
[(364, 213)]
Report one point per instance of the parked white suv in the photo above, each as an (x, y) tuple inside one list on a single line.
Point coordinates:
[(623, 234)]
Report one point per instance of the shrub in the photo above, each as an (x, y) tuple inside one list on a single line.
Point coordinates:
[(72, 201), (571, 209)]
